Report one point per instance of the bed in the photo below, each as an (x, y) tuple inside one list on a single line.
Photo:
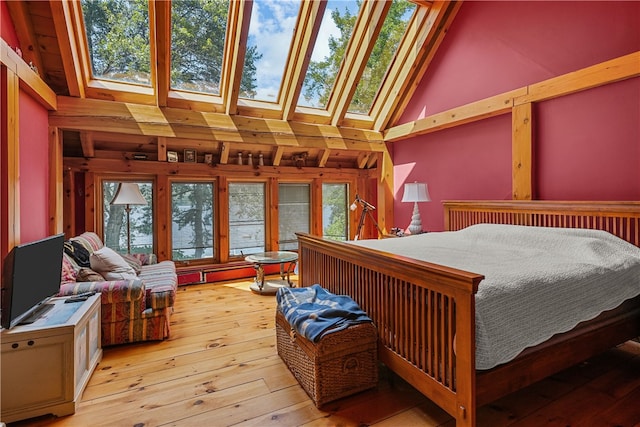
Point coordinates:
[(426, 312)]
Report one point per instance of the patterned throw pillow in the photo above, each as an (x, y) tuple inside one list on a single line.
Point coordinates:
[(133, 261), (68, 272)]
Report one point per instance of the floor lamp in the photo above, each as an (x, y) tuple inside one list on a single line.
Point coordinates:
[(128, 194), (415, 192)]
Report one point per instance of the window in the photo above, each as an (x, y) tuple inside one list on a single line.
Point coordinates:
[(192, 221), (294, 214), (118, 39), (333, 37), (246, 218), (197, 44), (384, 50), (334, 211), (115, 220), (270, 34)]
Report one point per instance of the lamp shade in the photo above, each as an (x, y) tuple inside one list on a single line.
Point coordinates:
[(128, 194), (416, 192)]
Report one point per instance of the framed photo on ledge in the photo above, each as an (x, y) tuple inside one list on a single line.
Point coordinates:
[(172, 156), (208, 158), (189, 156)]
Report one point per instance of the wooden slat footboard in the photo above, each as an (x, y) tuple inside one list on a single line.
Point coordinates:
[(418, 308), (425, 313)]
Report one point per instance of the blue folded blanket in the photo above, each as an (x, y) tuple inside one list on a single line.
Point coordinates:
[(314, 312)]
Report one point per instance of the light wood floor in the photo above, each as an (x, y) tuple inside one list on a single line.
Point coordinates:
[(220, 368)]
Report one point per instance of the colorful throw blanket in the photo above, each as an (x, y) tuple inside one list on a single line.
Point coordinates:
[(314, 312)]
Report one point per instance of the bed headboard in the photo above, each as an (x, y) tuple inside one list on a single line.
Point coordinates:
[(621, 219)]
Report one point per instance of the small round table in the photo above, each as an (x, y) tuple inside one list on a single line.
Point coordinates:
[(269, 287)]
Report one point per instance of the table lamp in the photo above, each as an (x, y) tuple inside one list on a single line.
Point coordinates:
[(415, 192), (128, 194)]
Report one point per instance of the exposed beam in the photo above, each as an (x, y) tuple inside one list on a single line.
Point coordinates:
[(87, 143), (162, 149), (277, 156), (65, 19), (322, 161), (363, 38), (224, 153), (21, 19), (9, 161), (611, 71), (418, 47), (97, 115), (28, 80), (308, 25), (235, 49), (56, 187), (607, 72), (162, 45), (522, 152), (488, 107)]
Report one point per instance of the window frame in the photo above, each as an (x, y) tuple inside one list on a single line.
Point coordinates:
[(215, 233), (98, 219)]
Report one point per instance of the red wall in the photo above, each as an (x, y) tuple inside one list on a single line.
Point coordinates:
[(34, 169), (586, 145), (34, 151), (7, 30)]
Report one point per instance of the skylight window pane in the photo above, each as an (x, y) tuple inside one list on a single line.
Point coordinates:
[(334, 34), (118, 38), (197, 44), (270, 34), (384, 50)]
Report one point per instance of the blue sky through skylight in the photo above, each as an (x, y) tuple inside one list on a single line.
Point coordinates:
[(271, 30)]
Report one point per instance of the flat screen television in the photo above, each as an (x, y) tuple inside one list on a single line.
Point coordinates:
[(30, 277)]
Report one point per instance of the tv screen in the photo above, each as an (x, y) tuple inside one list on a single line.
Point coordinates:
[(30, 276)]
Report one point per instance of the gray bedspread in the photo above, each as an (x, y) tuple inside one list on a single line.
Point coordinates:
[(538, 281)]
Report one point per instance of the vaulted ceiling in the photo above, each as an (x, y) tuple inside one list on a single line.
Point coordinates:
[(111, 119)]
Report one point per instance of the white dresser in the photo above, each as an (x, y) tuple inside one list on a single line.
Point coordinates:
[(47, 364)]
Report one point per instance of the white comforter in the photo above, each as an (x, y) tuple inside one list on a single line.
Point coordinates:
[(538, 281)]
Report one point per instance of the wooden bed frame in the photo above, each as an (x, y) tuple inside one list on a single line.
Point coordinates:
[(425, 313)]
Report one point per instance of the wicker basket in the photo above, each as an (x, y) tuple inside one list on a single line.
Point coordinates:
[(340, 364)]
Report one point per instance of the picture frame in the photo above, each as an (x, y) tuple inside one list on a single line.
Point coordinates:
[(172, 156), (190, 156), (208, 158)]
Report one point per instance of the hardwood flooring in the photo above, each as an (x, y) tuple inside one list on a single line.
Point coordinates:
[(220, 368)]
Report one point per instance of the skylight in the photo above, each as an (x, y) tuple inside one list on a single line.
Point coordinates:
[(384, 50), (118, 39), (270, 34), (198, 30), (335, 31)]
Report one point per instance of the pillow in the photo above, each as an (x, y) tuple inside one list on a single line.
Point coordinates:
[(133, 262), (88, 275), (68, 272), (78, 252), (111, 265)]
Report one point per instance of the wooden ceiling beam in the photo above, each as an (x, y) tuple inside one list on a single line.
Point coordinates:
[(277, 155), (161, 47), (412, 61), (67, 22), (87, 143), (324, 157), (134, 119), (363, 38), (488, 107), (304, 38), (234, 52), (24, 29)]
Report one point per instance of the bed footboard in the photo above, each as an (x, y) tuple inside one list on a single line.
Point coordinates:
[(424, 314)]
